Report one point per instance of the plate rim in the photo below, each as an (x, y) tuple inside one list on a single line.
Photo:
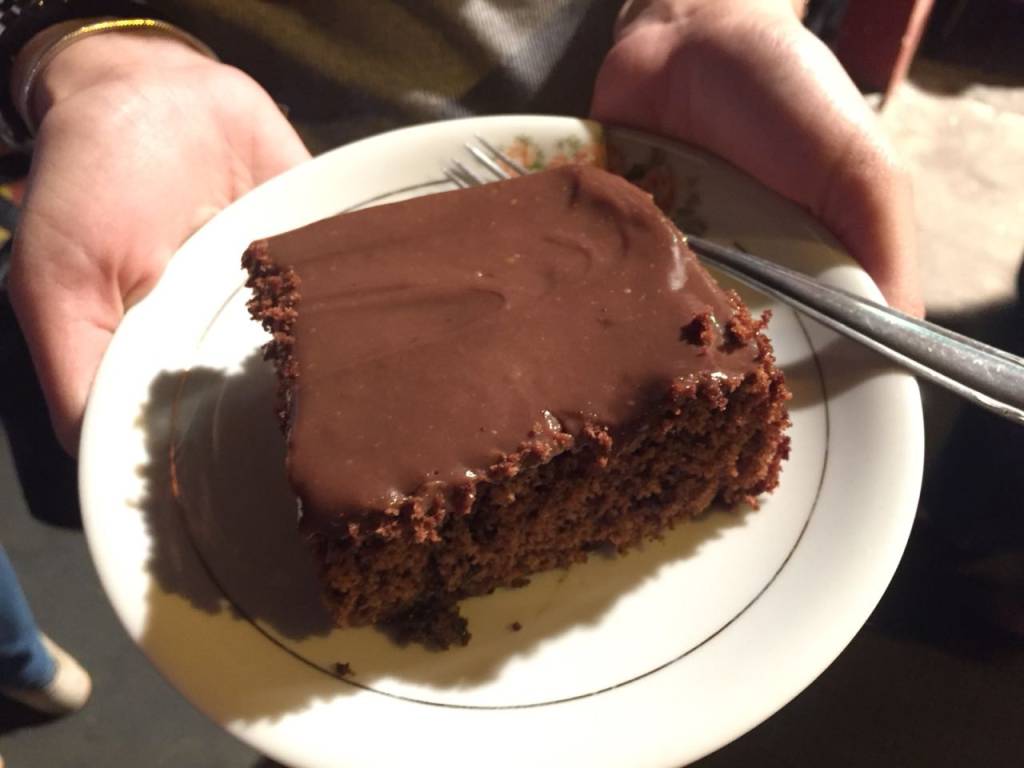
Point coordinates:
[(905, 389)]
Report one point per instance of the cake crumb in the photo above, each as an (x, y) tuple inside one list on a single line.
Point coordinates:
[(742, 329), (700, 331)]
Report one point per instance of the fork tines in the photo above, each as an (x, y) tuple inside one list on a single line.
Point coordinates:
[(499, 164)]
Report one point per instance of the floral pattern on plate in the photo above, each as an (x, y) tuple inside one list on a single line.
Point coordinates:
[(677, 195)]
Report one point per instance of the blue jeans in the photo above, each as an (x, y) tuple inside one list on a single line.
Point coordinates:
[(24, 662)]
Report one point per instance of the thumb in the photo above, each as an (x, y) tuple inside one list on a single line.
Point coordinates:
[(68, 311), (69, 305), (274, 144), (278, 148)]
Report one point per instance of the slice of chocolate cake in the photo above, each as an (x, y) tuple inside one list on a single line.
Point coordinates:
[(482, 384)]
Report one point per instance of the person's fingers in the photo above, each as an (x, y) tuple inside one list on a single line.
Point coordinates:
[(69, 309), (282, 150), (773, 101), (868, 205), (124, 171), (278, 149), (70, 280), (627, 90), (67, 328), (816, 141)]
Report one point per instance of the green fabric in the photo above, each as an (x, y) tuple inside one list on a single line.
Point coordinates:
[(345, 69)]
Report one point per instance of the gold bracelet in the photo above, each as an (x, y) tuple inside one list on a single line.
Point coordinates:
[(44, 47)]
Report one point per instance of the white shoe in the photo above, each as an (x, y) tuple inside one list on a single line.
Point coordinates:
[(66, 693)]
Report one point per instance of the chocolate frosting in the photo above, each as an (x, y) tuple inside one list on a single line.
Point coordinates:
[(434, 335)]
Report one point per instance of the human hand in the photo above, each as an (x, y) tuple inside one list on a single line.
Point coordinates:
[(745, 80), (141, 140)]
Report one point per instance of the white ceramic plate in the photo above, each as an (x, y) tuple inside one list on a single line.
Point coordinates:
[(653, 659)]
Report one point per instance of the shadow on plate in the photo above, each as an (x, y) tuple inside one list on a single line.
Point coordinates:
[(848, 365), (227, 544)]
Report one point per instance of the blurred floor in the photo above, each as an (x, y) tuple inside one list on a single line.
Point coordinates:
[(960, 131), (963, 141), (937, 675)]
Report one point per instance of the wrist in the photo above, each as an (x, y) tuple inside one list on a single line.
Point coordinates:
[(89, 54)]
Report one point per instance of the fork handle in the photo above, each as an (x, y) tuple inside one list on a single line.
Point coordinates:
[(984, 375)]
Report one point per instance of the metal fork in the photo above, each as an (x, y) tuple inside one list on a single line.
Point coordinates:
[(982, 374)]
